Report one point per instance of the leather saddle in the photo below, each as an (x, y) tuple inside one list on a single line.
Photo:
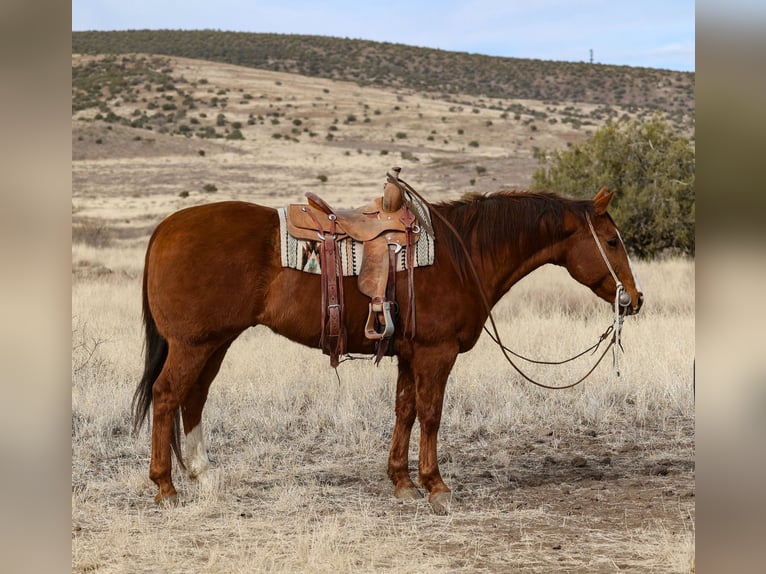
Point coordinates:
[(385, 227)]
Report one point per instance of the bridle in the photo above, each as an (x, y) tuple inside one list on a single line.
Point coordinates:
[(621, 296)]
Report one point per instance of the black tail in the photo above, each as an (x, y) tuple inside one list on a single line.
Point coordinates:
[(155, 354)]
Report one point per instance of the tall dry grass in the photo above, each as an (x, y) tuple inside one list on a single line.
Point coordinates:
[(298, 475)]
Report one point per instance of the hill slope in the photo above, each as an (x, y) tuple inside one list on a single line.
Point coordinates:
[(422, 69)]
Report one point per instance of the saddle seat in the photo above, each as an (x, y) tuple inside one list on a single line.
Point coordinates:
[(384, 226), (363, 223)]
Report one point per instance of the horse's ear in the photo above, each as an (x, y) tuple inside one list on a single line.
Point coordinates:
[(601, 201)]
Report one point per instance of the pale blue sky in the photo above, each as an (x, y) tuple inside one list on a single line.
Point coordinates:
[(650, 33)]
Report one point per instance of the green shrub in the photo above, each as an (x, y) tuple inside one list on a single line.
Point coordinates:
[(652, 170)]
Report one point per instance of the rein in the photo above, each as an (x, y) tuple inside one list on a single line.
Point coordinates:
[(614, 329)]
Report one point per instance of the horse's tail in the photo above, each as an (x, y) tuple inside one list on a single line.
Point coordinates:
[(155, 354)]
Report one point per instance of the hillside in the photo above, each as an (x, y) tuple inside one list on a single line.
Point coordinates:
[(448, 75), (231, 126), (152, 134)]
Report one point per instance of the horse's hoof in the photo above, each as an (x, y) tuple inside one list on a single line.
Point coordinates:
[(409, 493), (168, 501), (440, 503), (196, 473)]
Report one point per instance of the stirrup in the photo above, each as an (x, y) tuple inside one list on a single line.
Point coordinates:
[(388, 324)]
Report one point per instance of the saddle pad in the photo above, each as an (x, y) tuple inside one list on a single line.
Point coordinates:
[(303, 254)]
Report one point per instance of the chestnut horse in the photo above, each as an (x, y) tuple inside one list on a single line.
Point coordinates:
[(212, 271)]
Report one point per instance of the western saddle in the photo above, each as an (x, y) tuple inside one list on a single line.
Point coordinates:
[(385, 227)]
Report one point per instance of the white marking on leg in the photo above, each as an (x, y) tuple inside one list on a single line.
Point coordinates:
[(196, 452)]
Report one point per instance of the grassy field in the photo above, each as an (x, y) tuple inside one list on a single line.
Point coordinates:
[(599, 478), (596, 478)]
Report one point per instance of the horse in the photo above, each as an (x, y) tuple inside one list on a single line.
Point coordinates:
[(214, 270)]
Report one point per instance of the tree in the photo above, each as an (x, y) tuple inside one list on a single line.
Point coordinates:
[(652, 170)]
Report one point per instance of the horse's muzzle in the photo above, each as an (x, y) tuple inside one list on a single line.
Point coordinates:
[(625, 301)]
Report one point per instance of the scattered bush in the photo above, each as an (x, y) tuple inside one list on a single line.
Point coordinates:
[(93, 233)]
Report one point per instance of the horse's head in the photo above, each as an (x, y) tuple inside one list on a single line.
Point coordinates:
[(596, 257)]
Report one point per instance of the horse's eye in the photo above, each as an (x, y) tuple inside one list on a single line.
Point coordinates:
[(612, 242)]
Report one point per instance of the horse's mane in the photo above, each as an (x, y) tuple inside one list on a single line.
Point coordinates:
[(485, 221)]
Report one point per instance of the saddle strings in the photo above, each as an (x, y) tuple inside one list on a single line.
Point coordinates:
[(615, 328)]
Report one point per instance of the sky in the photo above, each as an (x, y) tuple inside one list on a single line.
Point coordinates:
[(646, 33)]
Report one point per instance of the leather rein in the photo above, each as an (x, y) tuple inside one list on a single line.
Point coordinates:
[(614, 329)]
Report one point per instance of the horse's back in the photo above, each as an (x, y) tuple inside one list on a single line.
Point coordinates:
[(216, 218), (207, 267)]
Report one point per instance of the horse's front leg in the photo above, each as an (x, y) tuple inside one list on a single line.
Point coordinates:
[(398, 458), (431, 367)]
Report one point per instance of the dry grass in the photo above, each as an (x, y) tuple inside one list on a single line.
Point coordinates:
[(298, 479), (594, 479)]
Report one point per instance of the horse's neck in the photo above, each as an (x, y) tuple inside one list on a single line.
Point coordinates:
[(514, 259), (507, 238), (520, 265)]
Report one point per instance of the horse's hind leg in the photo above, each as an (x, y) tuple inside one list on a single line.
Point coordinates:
[(398, 459), (191, 410), (182, 369)]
